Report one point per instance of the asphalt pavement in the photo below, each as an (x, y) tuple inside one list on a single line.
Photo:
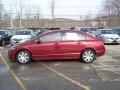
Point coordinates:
[(102, 74)]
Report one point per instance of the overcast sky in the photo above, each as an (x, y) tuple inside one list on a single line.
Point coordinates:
[(68, 8)]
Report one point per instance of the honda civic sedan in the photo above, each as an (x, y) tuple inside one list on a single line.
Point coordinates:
[(56, 45)]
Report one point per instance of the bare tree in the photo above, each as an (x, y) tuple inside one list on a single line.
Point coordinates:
[(18, 10), (52, 6), (27, 13), (108, 7), (1, 9), (112, 7), (116, 7), (37, 14), (4, 17)]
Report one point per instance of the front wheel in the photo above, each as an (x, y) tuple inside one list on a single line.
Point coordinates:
[(23, 57), (88, 56)]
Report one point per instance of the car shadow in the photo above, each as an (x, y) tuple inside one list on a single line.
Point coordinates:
[(52, 61), (112, 43)]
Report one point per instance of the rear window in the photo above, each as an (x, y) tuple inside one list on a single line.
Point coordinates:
[(2, 32), (107, 32), (23, 33)]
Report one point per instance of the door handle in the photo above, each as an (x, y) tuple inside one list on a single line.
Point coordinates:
[(79, 43), (56, 44)]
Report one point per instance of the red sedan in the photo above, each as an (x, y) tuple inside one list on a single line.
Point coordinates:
[(60, 44)]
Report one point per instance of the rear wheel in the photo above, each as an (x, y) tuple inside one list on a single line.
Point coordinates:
[(88, 56), (23, 57)]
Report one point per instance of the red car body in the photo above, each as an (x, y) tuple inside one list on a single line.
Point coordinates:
[(54, 50)]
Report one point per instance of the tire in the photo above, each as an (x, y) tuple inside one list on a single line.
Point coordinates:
[(3, 43), (23, 57), (88, 56)]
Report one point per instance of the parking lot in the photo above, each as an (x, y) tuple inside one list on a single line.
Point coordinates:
[(102, 74)]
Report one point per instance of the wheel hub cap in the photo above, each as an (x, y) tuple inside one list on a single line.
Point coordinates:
[(23, 57), (88, 56)]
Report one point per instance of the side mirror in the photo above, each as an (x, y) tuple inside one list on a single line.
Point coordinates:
[(38, 42), (6, 34)]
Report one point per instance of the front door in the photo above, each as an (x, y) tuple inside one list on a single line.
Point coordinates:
[(48, 47)]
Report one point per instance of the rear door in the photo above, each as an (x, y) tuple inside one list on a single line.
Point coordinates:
[(72, 44)]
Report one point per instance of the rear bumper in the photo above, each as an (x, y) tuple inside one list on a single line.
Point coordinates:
[(100, 53)]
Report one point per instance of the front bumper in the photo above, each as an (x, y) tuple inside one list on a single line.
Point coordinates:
[(111, 41), (14, 42), (11, 55)]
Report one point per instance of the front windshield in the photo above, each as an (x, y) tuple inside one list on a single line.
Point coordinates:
[(107, 32), (2, 32), (116, 30), (23, 33), (93, 29), (87, 30)]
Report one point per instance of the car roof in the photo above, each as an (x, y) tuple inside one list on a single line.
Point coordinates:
[(52, 31), (24, 30), (116, 29), (4, 30), (104, 29), (87, 27)]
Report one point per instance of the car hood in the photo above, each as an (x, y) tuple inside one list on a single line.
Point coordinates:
[(24, 43), (111, 35), (24, 37), (1, 35)]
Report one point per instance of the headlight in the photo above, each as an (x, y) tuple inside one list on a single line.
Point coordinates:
[(1, 37), (118, 39), (106, 37)]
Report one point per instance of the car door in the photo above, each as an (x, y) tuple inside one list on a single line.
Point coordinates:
[(72, 45), (6, 37), (48, 46), (98, 32)]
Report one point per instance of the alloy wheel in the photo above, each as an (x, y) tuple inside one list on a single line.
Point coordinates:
[(88, 56), (23, 57)]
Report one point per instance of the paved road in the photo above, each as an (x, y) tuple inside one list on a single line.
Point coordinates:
[(103, 74)]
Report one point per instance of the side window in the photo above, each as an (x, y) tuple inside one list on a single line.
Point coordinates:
[(73, 36), (5, 32), (51, 37), (98, 32)]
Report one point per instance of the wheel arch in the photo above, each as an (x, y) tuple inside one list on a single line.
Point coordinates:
[(88, 48)]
